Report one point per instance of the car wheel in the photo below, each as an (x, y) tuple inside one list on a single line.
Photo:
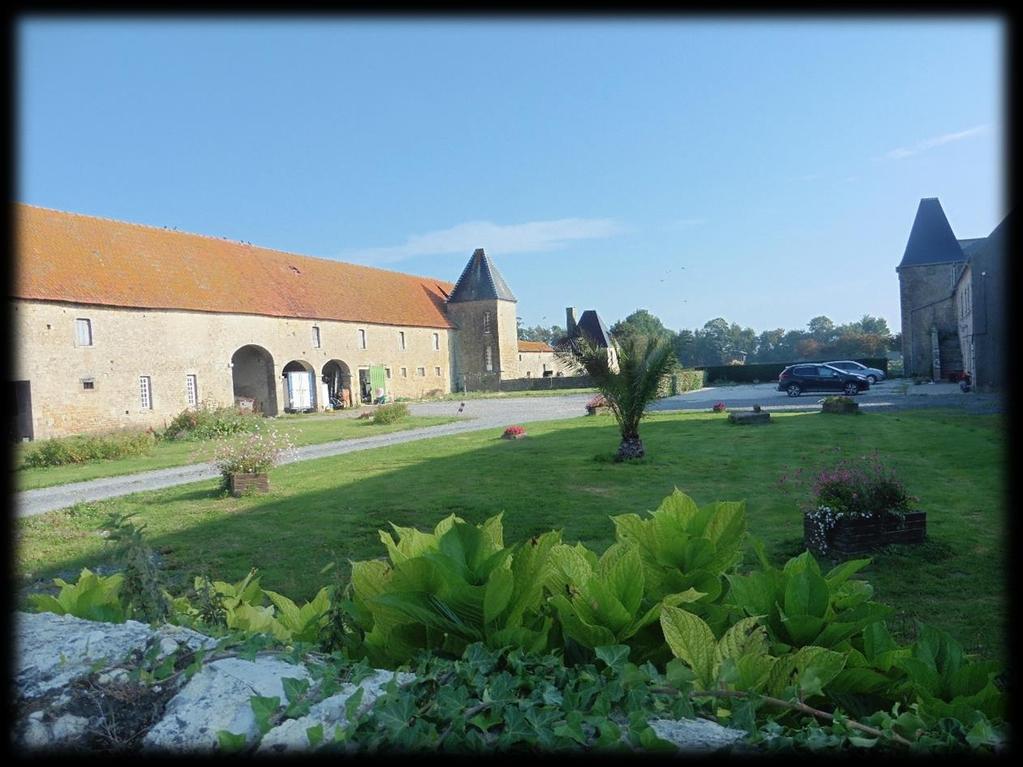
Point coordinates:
[(850, 389), (794, 390), (872, 380)]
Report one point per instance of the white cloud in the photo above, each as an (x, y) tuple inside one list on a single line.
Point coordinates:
[(496, 239), (931, 143), (684, 223)]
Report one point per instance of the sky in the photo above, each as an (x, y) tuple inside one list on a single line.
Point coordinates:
[(765, 170)]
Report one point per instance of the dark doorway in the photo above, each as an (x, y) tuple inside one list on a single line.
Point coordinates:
[(21, 411), (252, 372), (365, 387), (338, 377)]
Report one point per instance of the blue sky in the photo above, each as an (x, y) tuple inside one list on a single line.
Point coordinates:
[(762, 170)]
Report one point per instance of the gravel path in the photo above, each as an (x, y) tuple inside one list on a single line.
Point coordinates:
[(480, 414)]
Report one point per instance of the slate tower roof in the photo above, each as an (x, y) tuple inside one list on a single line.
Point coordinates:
[(931, 240), (480, 281)]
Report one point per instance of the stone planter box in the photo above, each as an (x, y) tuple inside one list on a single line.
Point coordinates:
[(861, 535), (749, 418), (841, 407), (597, 410), (240, 484)]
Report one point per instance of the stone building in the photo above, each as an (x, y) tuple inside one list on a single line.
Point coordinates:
[(124, 325), (951, 298)]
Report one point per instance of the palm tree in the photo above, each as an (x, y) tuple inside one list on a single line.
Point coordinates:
[(643, 361)]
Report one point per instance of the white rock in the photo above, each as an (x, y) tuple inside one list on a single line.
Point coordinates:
[(167, 647), (291, 735), (113, 676), (218, 698), (696, 734), (54, 650), (193, 640), (69, 727), (35, 734)]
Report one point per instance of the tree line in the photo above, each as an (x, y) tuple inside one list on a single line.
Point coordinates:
[(720, 342)]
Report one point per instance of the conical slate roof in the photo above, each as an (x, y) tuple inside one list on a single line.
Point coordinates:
[(931, 240), (480, 281)]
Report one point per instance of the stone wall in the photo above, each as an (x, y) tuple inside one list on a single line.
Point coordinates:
[(475, 337), (926, 300), (533, 365), (167, 345)]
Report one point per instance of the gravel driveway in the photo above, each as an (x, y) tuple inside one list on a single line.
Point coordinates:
[(497, 413)]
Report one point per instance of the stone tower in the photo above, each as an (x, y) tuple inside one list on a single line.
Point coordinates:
[(482, 308), (927, 273)]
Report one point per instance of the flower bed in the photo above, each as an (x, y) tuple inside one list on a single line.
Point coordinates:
[(514, 432), (719, 407), (597, 404)]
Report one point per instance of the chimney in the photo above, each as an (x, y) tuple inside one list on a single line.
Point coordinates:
[(570, 321)]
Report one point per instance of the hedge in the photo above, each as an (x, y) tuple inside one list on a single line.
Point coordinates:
[(769, 371)]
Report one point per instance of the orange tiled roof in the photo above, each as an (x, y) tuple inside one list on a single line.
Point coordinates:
[(533, 346), (87, 260)]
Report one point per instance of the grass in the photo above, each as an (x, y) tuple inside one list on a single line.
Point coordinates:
[(460, 396), (560, 476), (304, 430)]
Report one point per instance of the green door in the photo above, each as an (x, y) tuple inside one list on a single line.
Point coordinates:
[(378, 381)]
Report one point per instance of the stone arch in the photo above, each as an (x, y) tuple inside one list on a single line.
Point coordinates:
[(300, 386), (337, 375), (252, 376)]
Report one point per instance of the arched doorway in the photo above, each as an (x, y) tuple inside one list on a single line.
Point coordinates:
[(299, 387), (252, 374), (338, 378)]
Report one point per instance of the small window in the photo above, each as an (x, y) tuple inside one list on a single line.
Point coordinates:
[(192, 390), (387, 372), (490, 360), (529, 374), (437, 370), (436, 342), (316, 337), (404, 372), (146, 392), (401, 340), (83, 332), (421, 372), (486, 322), (362, 338), (89, 384)]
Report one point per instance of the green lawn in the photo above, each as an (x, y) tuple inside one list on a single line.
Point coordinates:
[(303, 430), (559, 477)]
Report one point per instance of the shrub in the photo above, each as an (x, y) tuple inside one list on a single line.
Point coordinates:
[(211, 421), (83, 448), (840, 405), (391, 413), (255, 453), (513, 431)]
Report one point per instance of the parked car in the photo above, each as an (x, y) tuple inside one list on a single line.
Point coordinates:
[(873, 375), (796, 379)]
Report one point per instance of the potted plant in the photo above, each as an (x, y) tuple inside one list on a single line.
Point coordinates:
[(514, 432), (244, 462), (719, 407), (597, 404), (857, 506)]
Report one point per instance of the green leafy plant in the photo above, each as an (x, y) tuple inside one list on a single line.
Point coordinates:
[(255, 453), (61, 451), (211, 421), (142, 590), (92, 597), (444, 590)]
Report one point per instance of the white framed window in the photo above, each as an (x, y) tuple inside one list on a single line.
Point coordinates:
[(421, 372), (404, 372), (436, 342), (401, 340), (490, 360), (146, 392), (316, 337), (437, 370), (83, 332), (486, 322), (192, 390), (362, 338)]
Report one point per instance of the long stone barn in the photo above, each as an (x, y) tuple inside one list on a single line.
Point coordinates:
[(123, 325)]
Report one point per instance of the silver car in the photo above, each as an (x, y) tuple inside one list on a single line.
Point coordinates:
[(871, 374)]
